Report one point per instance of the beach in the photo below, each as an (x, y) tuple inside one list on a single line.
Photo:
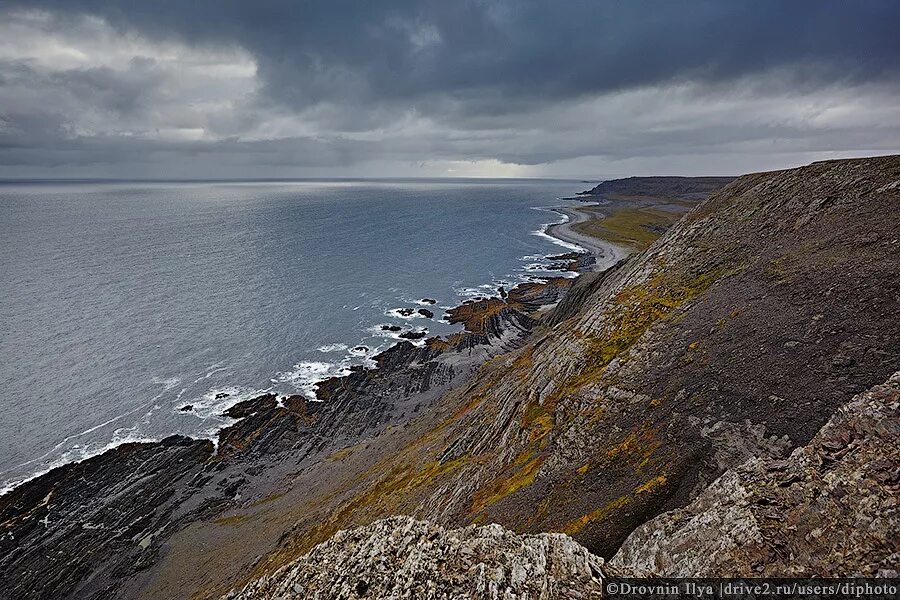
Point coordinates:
[(607, 254)]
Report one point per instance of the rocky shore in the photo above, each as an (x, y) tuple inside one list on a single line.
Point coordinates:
[(666, 415), (109, 516)]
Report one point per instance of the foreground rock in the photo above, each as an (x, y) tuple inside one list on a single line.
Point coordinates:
[(407, 559), (831, 509)]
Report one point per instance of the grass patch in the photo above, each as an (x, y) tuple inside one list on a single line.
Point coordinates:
[(522, 473), (636, 308), (635, 228)]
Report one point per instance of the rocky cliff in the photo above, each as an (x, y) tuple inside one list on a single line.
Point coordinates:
[(765, 518), (735, 336), (832, 507)]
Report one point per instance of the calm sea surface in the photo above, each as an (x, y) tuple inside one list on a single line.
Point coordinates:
[(123, 302)]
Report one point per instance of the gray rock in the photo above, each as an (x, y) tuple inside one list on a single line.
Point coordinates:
[(830, 509), (404, 558)]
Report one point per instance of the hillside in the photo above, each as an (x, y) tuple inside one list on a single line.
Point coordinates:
[(735, 336), (673, 188), (842, 482)]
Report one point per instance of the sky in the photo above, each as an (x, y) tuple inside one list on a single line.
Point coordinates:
[(443, 88)]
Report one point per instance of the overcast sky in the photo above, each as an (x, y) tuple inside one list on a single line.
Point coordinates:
[(228, 88)]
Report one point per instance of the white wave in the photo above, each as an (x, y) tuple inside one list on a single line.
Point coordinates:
[(377, 331), (542, 230), (216, 401), (395, 312), (305, 375), (76, 453), (332, 348), (167, 385)]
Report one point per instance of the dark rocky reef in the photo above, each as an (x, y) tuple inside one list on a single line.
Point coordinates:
[(78, 529), (576, 262), (414, 334)]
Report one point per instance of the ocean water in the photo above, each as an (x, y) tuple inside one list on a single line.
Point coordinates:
[(123, 302)]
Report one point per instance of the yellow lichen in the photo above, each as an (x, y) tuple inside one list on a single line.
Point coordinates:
[(522, 473), (573, 527), (656, 482)]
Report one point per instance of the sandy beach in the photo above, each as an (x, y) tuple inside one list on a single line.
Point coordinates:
[(607, 253)]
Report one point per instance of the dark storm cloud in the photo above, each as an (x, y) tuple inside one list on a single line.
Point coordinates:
[(356, 51), (507, 80)]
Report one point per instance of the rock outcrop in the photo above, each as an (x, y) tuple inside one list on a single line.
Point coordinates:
[(831, 508), (406, 559)]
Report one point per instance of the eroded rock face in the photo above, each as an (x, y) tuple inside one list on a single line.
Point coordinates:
[(407, 559), (831, 508)]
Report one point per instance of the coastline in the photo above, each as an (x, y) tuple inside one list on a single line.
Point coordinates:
[(268, 442), (489, 294), (606, 254)]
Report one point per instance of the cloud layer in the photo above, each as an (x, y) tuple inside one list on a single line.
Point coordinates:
[(214, 88)]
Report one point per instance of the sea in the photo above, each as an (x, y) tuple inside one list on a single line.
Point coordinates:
[(125, 302)]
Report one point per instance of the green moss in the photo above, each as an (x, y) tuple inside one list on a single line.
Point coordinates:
[(636, 308)]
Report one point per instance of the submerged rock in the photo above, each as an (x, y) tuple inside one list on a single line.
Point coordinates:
[(393, 328), (429, 301), (414, 335)]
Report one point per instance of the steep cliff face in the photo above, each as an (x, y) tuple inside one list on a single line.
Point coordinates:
[(736, 335), (830, 508)]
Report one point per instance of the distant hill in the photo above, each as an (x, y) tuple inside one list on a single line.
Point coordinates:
[(682, 188)]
